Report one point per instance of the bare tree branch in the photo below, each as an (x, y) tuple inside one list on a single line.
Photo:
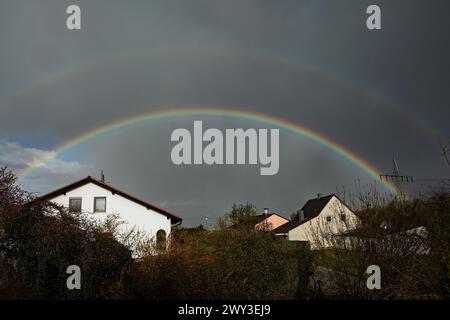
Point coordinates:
[(446, 152)]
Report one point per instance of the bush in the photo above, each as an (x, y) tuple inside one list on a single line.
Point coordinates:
[(225, 264), (408, 240), (39, 241)]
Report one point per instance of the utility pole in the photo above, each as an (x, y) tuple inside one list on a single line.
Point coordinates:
[(206, 222)]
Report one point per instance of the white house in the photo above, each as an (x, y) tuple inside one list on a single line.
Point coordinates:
[(318, 221), (99, 199)]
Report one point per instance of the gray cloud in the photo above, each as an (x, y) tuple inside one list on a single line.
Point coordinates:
[(47, 175)]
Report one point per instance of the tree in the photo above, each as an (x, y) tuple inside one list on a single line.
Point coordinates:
[(408, 241), (240, 216), (235, 261), (10, 194), (40, 240), (445, 148)]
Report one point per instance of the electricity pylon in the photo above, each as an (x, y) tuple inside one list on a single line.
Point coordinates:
[(397, 178)]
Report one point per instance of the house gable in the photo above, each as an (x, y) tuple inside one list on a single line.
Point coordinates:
[(270, 221), (327, 215), (311, 209), (314, 207), (114, 191)]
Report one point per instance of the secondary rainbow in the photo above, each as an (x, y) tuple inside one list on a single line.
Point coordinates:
[(219, 112)]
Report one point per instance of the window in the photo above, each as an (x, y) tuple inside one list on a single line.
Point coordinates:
[(161, 239), (75, 204), (100, 204), (328, 218), (343, 217)]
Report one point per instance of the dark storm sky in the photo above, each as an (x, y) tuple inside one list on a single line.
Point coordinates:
[(378, 93)]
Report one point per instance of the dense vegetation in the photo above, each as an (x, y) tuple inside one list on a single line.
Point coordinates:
[(38, 241)]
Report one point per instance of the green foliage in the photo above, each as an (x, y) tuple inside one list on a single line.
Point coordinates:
[(41, 241), (408, 240), (38, 241), (225, 264), (240, 216), (257, 265)]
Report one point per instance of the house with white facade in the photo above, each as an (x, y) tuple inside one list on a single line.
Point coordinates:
[(318, 221), (99, 199)]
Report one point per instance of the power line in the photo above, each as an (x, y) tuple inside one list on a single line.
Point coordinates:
[(432, 179), (397, 178)]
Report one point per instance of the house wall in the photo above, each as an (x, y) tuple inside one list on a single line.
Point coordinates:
[(133, 214), (270, 223), (317, 229)]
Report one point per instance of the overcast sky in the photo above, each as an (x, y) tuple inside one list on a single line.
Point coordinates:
[(378, 93)]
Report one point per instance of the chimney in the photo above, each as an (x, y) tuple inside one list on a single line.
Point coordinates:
[(266, 211), (301, 215), (319, 195)]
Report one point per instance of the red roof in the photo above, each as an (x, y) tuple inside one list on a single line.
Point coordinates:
[(114, 190)]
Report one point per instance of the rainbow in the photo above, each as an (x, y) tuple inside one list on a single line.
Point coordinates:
[(220, 112), (385, 102)]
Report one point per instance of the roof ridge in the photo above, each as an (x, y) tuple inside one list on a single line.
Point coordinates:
[(111, 188)]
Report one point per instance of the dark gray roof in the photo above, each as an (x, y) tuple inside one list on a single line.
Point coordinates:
[(285, 228), (311, 209)]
